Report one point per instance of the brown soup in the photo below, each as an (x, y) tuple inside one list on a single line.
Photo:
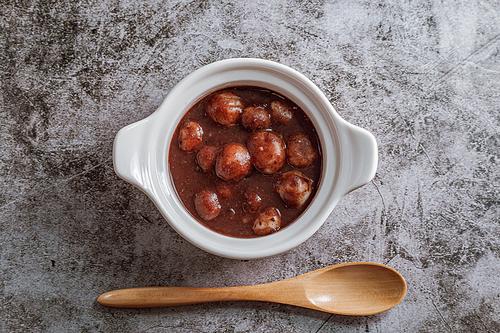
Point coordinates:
[(245, 161)]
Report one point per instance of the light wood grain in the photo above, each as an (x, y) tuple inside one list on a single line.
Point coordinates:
[(361, 288)]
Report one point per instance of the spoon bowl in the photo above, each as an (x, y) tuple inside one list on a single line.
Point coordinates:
[(360, 288), (355, 288)]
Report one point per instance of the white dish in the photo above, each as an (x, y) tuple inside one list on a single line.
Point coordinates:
[(141, 154)]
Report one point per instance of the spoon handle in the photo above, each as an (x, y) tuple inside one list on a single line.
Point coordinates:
[(171, 296)]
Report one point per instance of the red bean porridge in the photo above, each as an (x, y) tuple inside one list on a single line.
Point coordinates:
[(245, 161)]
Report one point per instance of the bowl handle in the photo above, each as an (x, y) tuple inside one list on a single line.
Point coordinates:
[(130, 157), (361, 168)]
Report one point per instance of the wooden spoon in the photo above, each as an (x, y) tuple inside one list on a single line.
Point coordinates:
[(360, 288)]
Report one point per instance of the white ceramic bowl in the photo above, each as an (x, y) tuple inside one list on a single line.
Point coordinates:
[(141, 154)]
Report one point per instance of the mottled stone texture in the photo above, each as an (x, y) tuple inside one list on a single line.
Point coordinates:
[(422, 76)]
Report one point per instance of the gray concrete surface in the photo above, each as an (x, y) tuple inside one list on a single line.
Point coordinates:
[(422, 76)]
